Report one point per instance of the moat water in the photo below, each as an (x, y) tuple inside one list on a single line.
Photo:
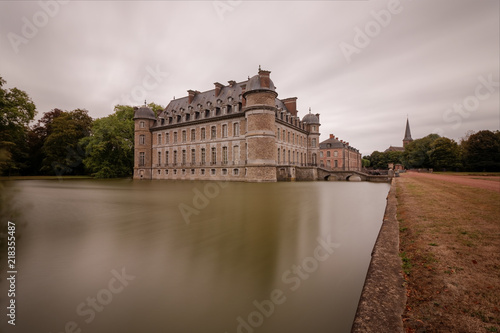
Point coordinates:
[(125, 256)]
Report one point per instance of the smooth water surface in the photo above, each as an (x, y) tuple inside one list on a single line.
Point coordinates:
[(162, 256)]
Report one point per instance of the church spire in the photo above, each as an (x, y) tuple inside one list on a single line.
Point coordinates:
[(407, 139)]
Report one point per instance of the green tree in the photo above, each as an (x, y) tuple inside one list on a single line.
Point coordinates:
[(482, 151), (444, 153), (365, 162), (63, 154), (16, 111), (36, 139), (379, 160), (416, 154), (110, 148)]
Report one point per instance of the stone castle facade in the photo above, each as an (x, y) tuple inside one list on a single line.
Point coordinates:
[(238, 132)]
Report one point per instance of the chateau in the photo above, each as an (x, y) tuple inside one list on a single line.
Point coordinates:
[(240, 131), (336, 154)]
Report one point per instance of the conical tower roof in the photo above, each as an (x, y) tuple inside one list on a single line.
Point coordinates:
[(407, 132)]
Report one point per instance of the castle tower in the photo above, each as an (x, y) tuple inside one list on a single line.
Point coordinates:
[(144, 119), (407, 139), (312, 124), (260, 112)]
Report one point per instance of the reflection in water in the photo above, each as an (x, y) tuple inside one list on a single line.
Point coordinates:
[(249, 259)]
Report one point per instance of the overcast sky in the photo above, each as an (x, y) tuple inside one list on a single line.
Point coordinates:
[(363, 65)]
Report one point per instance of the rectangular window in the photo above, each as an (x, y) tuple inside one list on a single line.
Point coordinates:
[(159, 157), (175, 157), (224, 131), (212, 171), (184, 156), (335, 153), (335, 163), (203, 158), (213, 132), (278, 154), (167, 138), (142, 139), (224, 155), (202, 171), (159, 139), (328, 154), (193, 156), (328, 164), (214, 155), (236, 153), (236, 172), (193, 135), (166, 157), (279, 131), (142, 124), (236, 129), (313, 143), (288, 137), (202, 134), (141, 159), (184, 136), (175, 137), (320, 154)]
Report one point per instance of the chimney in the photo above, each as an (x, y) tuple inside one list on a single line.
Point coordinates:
[(264, 78), (243, 99), (231, 83), (218, 88), (291, 105), (317, 115), (331, 136), (191, 94)]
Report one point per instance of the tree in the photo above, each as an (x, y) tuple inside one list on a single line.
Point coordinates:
[(444, 153), (365, 163), (16, 111), (63, 154), (110, 147), (482, 151), (379, 160), (36, 139), (416, 154)]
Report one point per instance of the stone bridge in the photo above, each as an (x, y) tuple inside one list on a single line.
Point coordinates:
[(331, 175)]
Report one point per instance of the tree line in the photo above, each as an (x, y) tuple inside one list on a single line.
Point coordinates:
[(64, 142), (475, 152)]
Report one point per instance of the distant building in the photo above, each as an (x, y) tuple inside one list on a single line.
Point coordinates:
[(335, 154), (406, 140), (240, 131)]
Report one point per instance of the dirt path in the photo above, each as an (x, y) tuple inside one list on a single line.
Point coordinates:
[(450, 248), (488, 183)]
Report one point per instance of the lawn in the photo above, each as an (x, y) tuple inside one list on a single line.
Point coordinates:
[(450, 248)]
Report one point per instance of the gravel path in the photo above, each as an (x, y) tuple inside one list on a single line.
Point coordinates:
[(473, 181)]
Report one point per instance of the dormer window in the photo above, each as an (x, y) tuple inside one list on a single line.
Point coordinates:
[(207, 113)]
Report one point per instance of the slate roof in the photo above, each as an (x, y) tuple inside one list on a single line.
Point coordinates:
[(228, 95)]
